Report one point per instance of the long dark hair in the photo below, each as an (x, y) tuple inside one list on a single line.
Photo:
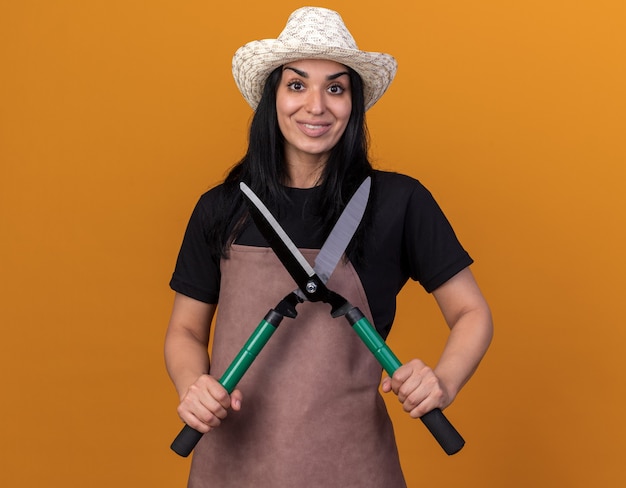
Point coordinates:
[(263, 167)]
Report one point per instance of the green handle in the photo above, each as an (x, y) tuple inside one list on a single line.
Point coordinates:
[(188, 437), (436, 422), (377, 345), (247, 355)]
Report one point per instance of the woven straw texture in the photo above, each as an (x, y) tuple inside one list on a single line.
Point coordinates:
[(311, 33)]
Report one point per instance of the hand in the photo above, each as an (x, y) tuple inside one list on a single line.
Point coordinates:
[(418, 388), (206, 404)]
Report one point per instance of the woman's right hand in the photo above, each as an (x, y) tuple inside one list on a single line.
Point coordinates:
[(206, 404)]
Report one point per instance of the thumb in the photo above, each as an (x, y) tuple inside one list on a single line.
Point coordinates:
[(386, 384), (235, 400)]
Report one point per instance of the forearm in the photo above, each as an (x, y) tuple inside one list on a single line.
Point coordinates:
[(187, 341), (186, 359), (467, 343)]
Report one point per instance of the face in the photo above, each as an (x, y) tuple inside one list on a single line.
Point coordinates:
[(313, 104)]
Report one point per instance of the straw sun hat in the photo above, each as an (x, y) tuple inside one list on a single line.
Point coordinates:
[(311, 33)]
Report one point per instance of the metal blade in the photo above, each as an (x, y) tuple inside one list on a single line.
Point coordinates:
[(342, 232), (287, 252)]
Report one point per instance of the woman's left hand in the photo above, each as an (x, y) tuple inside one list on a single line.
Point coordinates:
[(418, 388)]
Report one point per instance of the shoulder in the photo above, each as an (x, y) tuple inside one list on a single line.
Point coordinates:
[(397, 181), (207, 209), (212, 199), (213, 194), (397, 187)]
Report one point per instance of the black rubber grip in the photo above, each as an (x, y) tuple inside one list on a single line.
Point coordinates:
[(443, 431), (436, 422), (188, 437), (186, 440)]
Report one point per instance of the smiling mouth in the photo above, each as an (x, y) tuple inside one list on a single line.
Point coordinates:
[(314, 130)]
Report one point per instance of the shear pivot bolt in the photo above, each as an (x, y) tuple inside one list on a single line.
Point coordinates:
[(311, 287)]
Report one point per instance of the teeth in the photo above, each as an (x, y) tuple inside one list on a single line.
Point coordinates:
[(309, 126)]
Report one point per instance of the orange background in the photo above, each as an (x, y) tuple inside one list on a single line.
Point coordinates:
[(116, 115)]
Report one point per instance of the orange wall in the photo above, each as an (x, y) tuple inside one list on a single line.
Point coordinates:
[(115, 115)]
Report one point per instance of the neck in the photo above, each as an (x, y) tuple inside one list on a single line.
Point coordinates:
[(304, 174)]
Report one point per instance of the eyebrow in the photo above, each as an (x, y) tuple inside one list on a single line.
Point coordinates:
[(304, 74)]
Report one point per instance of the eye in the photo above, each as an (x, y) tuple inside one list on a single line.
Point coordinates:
[(336, 89), (295, 85)]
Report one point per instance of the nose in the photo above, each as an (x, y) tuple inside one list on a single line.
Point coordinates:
[(315, 103)]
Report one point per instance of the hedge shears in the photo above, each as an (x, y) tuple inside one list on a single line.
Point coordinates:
[(311, 282)]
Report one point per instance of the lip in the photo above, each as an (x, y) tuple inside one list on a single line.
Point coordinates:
[(314, 129)]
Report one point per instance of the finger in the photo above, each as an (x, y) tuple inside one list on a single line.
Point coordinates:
[(405, 372), (422, 408), (386, 385), (193, 420), (196, 424), (212, 407), (409, 387), (236, 398), (216, 391), (401, 374), (421, 375), (201, 404), (414, 403), (398, 379), (427, 397), (210, 414)]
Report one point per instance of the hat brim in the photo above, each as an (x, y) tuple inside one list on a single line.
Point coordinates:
[(254, 62)]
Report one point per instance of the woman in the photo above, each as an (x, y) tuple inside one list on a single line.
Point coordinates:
[(308, 411)]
